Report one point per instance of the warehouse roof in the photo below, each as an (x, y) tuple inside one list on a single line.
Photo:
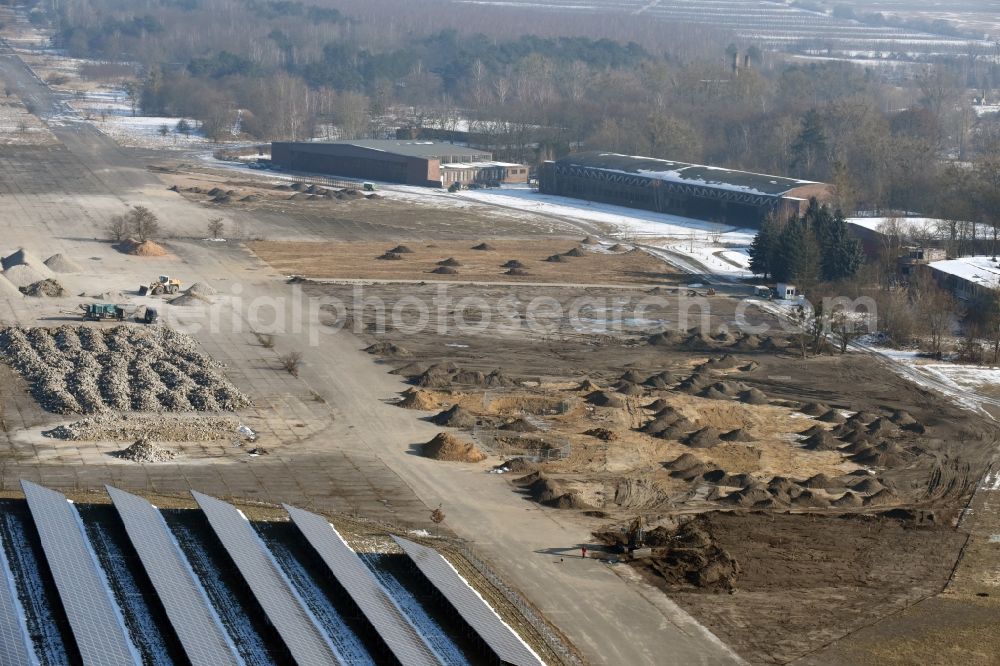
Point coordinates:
[(981, 270), (432, 150), (690, 174)]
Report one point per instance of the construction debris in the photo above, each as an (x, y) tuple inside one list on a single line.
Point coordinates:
[(144, 451)]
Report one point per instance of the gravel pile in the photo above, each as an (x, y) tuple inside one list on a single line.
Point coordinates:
[(144, 451), (163, 427), (46, 287), (86, 370), (60, 263)]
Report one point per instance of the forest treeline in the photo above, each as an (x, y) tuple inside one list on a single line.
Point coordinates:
[(290, 69)]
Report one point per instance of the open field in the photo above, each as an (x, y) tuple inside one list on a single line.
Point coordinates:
[(502, 260)]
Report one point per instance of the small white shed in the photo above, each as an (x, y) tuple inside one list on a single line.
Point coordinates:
[(786, 291)]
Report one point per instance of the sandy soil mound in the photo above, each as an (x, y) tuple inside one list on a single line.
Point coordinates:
[(695, 383), (605, 399), (455, 417), (602, 434), (822, 482), (809, 500), (519, 272), (628, 388), (484, 247), (22, 275), (683, 462), (590, 240), (8, 290), (815, 429), (24, 258), (519, 425), (401, 249), (847, 500), (656, 426), (552, 493), (822, 441), (903, 418), (862, 418), (751, 495), (46, 287), (588, 386), (513, 263), (882, 426), (555, 259), (437, 376), (814, 409), (410, 370), (517, 466), (420, 400), (144, 451), (867, 486), (753, 397), (832, 416), (749, 342), (448, 447), (618, 247), (661, 380), (187, 300), (706, 438), (738, 435), (145, 248), (881, 498), (575, 252), (386, 348), (450, 261), (445, 270), (202, 289), (657, 405), (389, 256), (632, 376), (60, 263)]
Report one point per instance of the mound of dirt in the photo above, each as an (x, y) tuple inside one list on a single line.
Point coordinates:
[(628, 388), (420, 400), (144, 451), (22, 257), (810, 500), (832, 416), (190, 299), (201, 289), (664, 339), (455, 417), (60, 263), (632, 376), (753, 397), (694, 383), (618, 247), (555, 259), (445, 270), (519, 425), (513, 263), (590, 240), (22, 275), (575, 252), (822, 441), (750, 495), (706, 438), (552, 493), (450, 261), (694, 558), (386, 348), (862, 418), (712, 393), (882, 426), (869, 485), (484, 247), (661, 380), (814, 409), (656, 426), (588, 386), (390, 256), (146, 248), (738, 435), (602, 434), (822, 482), (605, 399), (520, 272), (748, 342), (881, 498), (657, 405), (8, 290), (772, 344), (749, 367), (684, 461), (676, 432), (46, 287), (847, 500), (445, 446), (517, 466), (902, 418), (401, 249)]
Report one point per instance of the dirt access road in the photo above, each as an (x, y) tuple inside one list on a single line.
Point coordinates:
[(356, 453)]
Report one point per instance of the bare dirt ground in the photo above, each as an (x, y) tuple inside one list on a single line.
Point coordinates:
[(505, 260)]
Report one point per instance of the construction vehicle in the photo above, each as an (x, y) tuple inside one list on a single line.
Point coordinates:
[(99, 311), (149, 316), (163, 285)]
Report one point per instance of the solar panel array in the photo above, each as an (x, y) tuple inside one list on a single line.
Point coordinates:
[(506, 644), (15, 644), (283, 606), (190, 613), (94, 617), (376, 604)]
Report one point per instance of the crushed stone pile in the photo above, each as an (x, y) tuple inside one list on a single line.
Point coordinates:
[(46, 287), (22, 257), (145, 451), (201, 289), (445, 446), (162, 427), (190, 298), (60, 263), (23, 275), (71, 369)]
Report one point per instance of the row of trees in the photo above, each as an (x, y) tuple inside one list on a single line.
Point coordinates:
[(808, 249)]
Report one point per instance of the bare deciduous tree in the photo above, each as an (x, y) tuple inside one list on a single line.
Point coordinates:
[(291, 362), (144, 223), (118, 228), (216, 227)]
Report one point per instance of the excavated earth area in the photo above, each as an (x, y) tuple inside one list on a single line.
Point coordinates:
[(825, 490), (91, 370)]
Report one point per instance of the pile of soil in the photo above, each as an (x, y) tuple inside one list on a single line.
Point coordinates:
[(23, 275), (386, 348), (738, 435), (605, 399), (753, 494), (445, 446), (658, 425), (555, 258), (517, 466), (520, 272), (549, 492), (401, 249), (588, 385), (695, 383), (513, 263), (144, 451), (815, 429), (664, 339), (602, 434), (832, 416), (748, 342), (821, 481), (450, 261), (693, 557), (420, 400), (847, 500), (519, 425), (683, 462), (445, 270), (484, 247), (903, 418), (822, 441), (390, 256), (618, 247), (628, 388), (706, 438), (455, 417), (753, 397), (60, 263), (657, 405), (882, 426), (725, 362), (575, 252), (814, 409), (868, 485), (590, 240), (146, 248), (881, 498), (46, 287), (807, 499), (189, 299), (632, 376), (202, 289), (661, 380)]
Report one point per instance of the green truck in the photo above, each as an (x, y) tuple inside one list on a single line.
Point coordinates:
[(104, 311)]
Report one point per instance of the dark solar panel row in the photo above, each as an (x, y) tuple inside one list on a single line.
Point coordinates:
[(15, 644)]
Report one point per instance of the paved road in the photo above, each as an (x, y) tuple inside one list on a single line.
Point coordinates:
[(356, 450)]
